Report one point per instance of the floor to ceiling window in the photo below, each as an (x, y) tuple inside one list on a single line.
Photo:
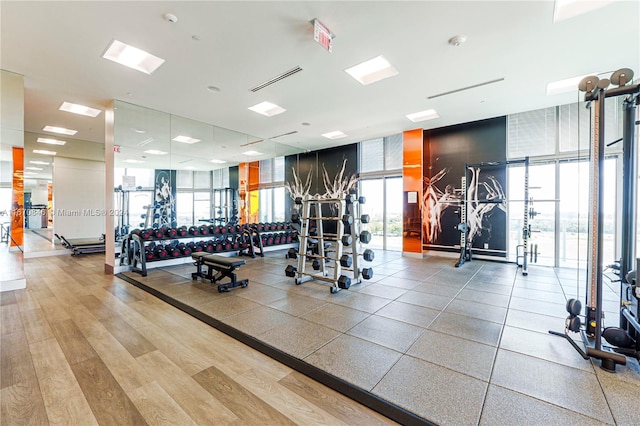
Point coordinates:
[(381, 185)]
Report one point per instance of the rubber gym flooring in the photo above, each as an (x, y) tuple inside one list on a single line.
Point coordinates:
[(422, 340)]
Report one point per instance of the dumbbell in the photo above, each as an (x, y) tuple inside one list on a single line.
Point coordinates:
[(291, 254), (204, 230), (195, 248), (182, 231), (170, 232), (290, 271), (365, 237), (344, 282), (276, 239), (231, 228), (184, 249), (207, 246), (172, 251), (148, 254), (157, 233), (346, 260), (160, 252), (194, 230), (316, 264), (295, 218), (367, 273)]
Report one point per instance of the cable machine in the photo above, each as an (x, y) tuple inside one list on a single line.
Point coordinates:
[(624, 337)]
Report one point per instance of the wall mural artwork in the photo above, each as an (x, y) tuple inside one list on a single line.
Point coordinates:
[(447, 152), (338, 168), (164, 209)]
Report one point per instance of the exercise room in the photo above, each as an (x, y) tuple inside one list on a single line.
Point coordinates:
[(345, 213)]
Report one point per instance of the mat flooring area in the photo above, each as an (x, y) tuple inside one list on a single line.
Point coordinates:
[(454, 346), (79, 347)]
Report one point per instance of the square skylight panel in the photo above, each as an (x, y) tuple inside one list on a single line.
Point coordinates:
[(373, 70), (132, 57), (337, 134), (428, 114), (186, 139), (267, 108), (79, 109)]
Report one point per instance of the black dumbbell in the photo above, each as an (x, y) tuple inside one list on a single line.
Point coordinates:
[(157, 233), (365, 237), (148, 253), (159, 252), (172, 251), (316, 264), (344, 282), (170, 232), (184, 249), (204, 230), (346, 261), (367, 273), (292, 254), (290, 271), (182, 231), (347, 240), (194, 230), (368, 255)]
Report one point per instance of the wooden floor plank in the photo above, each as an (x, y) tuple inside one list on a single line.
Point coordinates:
[(124, 367), (63, 399), (97, 308), (10, 320), (247, 406), (189, 361), (284, 400), (75, 346), (36, 327), (16, 367), (22, 405), (26, 300), (8, 297), (335, 403), (200, 405), (158, 408), (128, 337), (108, 401)]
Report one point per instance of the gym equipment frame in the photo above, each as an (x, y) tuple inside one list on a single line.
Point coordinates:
[(592, 332)]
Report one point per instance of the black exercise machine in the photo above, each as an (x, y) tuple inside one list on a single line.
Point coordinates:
[(224, 267), (83, 245)]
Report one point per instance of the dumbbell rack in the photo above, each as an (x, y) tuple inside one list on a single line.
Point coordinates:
[(235, 240), (312, 211)]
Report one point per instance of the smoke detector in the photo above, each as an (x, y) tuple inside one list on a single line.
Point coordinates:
[(457, 40), (170, 17)]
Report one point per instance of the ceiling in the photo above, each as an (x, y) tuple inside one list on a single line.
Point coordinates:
[(57, 47)]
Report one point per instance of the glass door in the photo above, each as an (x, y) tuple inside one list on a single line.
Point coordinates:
[(384, 207)]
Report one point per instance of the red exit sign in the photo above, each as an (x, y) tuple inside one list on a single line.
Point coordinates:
[(322, 35)]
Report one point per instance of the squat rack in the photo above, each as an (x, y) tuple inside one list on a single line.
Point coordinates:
[(464, 228)]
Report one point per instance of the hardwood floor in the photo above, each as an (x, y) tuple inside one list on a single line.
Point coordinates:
[(81, 347)]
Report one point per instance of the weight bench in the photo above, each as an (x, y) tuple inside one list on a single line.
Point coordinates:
[(224, 267)]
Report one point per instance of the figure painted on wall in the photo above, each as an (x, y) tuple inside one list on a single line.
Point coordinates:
[(434, 202), (484, 196), (165, 192)]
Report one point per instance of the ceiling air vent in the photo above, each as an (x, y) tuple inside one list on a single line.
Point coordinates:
[(466, 88), (276, 79)]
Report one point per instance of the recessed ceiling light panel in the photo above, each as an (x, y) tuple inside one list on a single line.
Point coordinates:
[(132, 57), (252, 153), (428, 114), (373, 70), (132, 161), (50, 141), (59, 130), (267, 108), (79, 109), (217, 161), (186, 139), (43, 152), (155, 152), (337, 134), (42, 163), (33, 168)]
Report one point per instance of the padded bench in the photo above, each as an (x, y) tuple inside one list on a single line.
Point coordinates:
[(224, 267)]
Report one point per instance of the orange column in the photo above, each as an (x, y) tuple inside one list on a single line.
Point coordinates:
[(254, 191), (412, 178), (17, 198)]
